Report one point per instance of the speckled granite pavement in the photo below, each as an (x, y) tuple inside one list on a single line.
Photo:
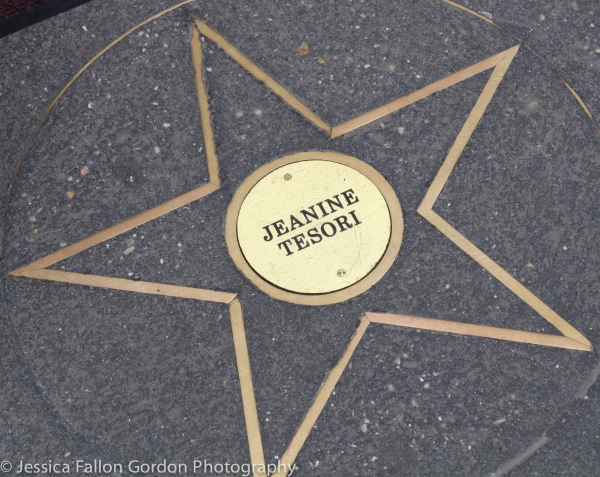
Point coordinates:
[(126, 377)]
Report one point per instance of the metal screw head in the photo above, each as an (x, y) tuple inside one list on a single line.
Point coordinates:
[(341, 273), (287, 177)]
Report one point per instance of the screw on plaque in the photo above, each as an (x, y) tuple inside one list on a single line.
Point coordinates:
[(341, 273), (287, 177)]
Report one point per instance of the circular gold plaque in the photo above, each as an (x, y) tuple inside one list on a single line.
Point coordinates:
[(314, 227)]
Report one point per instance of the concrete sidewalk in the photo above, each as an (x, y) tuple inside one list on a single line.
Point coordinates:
[(103, 374)]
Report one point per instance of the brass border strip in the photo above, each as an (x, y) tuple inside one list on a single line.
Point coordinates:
[(129, 285), (257, 455), (425, 209), (504, 277), (207, 129), (467, 130), (262, 76), (321, 399), (482, 331), (118, 229), (422, 93), (368, 281)]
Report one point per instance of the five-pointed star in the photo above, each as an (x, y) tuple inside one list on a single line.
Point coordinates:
[(571, 338)]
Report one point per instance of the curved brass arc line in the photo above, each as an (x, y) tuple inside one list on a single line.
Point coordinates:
[(33, 134), (472, 12), (581, 102), (79, 73), (525, 45)]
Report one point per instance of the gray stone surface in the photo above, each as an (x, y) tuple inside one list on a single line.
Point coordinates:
[(153, 378)]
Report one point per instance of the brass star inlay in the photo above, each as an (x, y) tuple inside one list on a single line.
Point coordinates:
[(570, 339)]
